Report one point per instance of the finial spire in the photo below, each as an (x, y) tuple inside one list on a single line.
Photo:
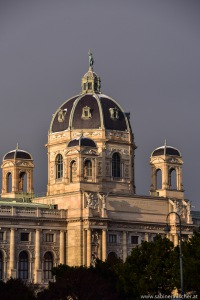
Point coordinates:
[(91, 60), (17, 147), (165, 144)]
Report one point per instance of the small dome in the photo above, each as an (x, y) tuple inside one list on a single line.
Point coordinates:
[(166, 150), (90, 74), (82, 142), (17, 154)]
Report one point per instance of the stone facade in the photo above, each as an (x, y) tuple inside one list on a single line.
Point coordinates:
[(91, 208)]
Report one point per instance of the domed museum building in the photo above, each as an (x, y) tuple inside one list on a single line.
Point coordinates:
[(91, 209)]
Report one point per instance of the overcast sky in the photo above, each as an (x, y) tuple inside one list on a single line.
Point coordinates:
[(147, 53)]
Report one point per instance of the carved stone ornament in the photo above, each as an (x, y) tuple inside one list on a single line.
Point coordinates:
[(172, 160), (114, 113), (102, 198), (86, 113), (121, 151), (91, 200), (95, 237), (61, 115)]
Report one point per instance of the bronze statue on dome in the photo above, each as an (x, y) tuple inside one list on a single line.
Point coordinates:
[(91, 60)]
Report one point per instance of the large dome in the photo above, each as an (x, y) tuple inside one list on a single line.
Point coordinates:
[(90, 111)]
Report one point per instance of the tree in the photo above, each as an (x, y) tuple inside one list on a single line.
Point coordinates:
[(82, 283), (16, 289), (149, 270), (191, 264)]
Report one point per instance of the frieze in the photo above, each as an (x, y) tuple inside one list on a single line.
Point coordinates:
[(109, 151), (58, 136), (118, 135), (93, 152)]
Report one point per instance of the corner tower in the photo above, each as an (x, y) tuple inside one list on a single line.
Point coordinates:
[(166, 172), (17, 174), (90, 143)]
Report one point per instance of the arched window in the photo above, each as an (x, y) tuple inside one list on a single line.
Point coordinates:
[(158, 179), (88, 168), (9, 182), (23, 265), (73, 169), (116, 165), (48, 265), (59, 166), (172, 179), (1, 265), (23, 182)]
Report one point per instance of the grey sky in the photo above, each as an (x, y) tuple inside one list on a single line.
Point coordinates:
[(147, 54)]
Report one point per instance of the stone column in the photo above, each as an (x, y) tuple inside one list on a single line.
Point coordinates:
[(176, 240), (84, 247), (62, 247), (12, 272), (37, 269), (146, 236), (104, 256), (88, 247), (124, 246)]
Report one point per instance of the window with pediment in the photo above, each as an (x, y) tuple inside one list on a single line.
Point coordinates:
[(116, 165), (48, 265), (59, 166), (88, 168), (114, 113), (86, 113), (23, 265)]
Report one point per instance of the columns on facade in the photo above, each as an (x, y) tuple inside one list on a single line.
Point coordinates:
[(37, 269), (62, 247), (146, 236), (104, 256), (12, 272), (124, 243), (88, 247), (175, 240)]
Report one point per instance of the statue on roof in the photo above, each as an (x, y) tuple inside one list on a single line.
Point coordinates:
[(91, 60)]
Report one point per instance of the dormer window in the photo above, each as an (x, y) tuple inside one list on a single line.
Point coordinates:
[(86, 113), (114, 113)]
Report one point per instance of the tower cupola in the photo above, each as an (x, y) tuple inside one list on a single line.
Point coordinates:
[(17, 174), (166, 172), (91, 82)]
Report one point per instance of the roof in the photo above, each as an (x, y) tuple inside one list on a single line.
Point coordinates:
[(82, 141), (20, 202), (166, 150), (17, 154), (102, 112)]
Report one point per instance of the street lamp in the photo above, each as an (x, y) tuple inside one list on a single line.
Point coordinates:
[(167, 230)]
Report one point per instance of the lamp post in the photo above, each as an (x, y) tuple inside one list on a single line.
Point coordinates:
[(167, 230)]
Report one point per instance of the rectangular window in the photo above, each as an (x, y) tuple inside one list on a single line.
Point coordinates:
[(89, 85), (112, 238), (24, 236), (134, 239), (1, 236), (49, 237)]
